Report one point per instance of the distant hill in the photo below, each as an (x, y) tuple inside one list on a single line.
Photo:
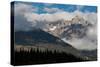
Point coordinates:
[(41, 39)]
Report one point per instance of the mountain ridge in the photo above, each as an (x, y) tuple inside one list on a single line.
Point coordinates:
[(21, 39)]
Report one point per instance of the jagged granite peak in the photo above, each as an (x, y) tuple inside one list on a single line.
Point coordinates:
[(75, 26)]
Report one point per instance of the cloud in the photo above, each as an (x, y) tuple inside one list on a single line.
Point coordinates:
[(29, 13), (79, 7), (92, 32), (49, 17), (21, 8), (48, 4), (52, 10), (82, 44), (20, 21)]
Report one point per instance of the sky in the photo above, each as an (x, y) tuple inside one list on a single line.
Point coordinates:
[(28, 15), (44, 7)]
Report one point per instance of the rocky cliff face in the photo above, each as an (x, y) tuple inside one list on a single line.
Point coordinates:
[(75, 27)]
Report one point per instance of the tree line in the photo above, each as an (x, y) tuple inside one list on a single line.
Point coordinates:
[(33, 56)]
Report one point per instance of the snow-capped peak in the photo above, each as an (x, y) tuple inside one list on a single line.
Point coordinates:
[(52, 28)]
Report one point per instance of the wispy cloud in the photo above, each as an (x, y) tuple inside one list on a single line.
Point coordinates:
[(52, 10)]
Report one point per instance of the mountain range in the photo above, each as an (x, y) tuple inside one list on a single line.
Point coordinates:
[(76, 27), (37, 38), (41, 39)]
